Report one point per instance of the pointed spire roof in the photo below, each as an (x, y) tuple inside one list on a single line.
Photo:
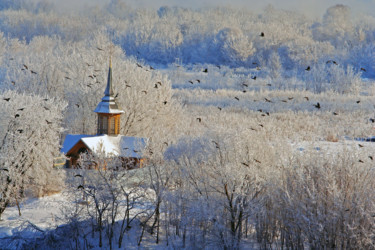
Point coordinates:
[(108, 104)]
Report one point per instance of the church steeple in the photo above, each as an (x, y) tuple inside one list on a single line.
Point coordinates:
[(108, 111)]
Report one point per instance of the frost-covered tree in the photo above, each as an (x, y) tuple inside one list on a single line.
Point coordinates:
[(30, 135)]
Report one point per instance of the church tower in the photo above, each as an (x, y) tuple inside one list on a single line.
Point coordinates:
[(109, 113)]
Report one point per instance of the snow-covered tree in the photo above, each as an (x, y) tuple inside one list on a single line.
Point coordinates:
[(30, 135)]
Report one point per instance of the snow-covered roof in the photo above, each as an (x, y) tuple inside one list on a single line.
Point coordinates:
[(119, 145), (70, 141)]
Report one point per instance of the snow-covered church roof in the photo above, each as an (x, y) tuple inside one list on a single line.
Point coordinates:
[(108, 104), (124, 146)]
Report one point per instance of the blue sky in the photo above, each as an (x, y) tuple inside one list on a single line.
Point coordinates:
[(312, 8)]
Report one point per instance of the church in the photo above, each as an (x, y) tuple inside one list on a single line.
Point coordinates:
[(108, 137)]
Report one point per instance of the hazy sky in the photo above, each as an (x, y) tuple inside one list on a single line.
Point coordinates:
[(312, 8)]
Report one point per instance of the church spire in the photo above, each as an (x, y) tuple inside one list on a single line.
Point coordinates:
[(108, 90), (108, 111)]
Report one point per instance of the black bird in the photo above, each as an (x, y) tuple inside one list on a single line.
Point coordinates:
[(77, 105), (244, 91), (6, 99), (360, 145), (257, 160), (26, 66), (46, 108), (166, 143), (78, 175), (199, 119), (45, 99), (165, 102), (360, 161), (99, 48), (151, 68), (371, 158), (363, 69), (127, 86), (17, 115), (372, 120), (267, 100), (4, 169), (198, 80), (66, 77), (307, 98), (268, 84), (284, 100), (191, 82), (261, 34), (260, 110), (236, 98), (219, 108), (290, 98), (317, 105), (80, 187), (358, 101), (334, 62), (245, 164), (334, 113), (48, 122), (159, 83), (33, 72), (308, 68), (205, 70), (21, 109), (89, 85), (218, 66), (20, 131), (156, 86), (140, 66), (116, 95), (254, 77), (244, 84), (13, 82), (261, 125), (92, 77)]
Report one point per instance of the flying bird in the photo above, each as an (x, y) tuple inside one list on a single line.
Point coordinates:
[(317, 105), (77, 105), (360, 161), (236, 98), (68, 78), (17, 115), (219, 108), (371, 158), (198, 80), (334, 113), (372, 120), (4, 169), (191, 82), (284, 100), (144, 91), (363, 69), (165, 102), (307, 98), (6, 99), (21, 109), (48, 122), (244, 84), (308, 68), (254, 77), (261, 34), (26, 66), (199, 119), (245, 164), (20, 131), (290, 98), (92, 77), (159, 83), (78, 175), (140, 66), (99, 48), (205, 70), (257, 161), (244, 91), (360, 145), (358, 101), (80, 187), (33, 72), (156, 86), (267, 100)]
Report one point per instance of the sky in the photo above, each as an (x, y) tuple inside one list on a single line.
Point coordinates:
[(311, 8)]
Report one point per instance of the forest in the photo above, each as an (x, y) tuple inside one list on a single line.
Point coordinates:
[(260, 127)]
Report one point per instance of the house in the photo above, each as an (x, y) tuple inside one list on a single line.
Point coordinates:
[(108, 138)]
